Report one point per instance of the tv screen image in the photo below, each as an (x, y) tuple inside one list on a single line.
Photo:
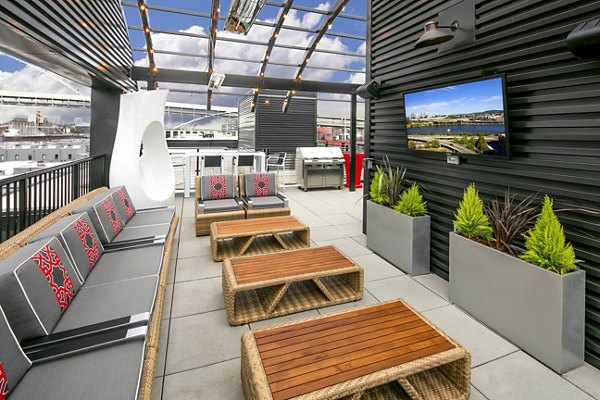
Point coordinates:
[(466, 118)]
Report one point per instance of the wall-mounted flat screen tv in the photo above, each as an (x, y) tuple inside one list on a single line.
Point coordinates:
[(467, 118)]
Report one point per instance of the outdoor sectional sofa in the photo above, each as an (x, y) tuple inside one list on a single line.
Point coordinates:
[(80, 312)]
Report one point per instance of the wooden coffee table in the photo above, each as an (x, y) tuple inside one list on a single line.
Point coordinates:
[(270, 285), (257, 236), (384, 351)]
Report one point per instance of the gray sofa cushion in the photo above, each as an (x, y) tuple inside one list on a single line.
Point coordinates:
[(123, 203), (79, 238), (260, 184), (126, 264), (140, 232), (105, 373), (267, 202), (13, 362), (104, 216), (214, 187), (37, 285), (113, 300), (213, 206), (151, 217)]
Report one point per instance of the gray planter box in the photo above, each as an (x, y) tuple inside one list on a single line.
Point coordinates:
[(402, 240), (540, 311)]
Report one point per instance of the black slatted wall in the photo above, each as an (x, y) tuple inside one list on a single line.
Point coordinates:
[(553, 112), (269, 128)]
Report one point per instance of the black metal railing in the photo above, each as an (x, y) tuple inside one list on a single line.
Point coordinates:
[(28, 197)]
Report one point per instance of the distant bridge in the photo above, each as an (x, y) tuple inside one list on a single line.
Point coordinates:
[(12, 98)]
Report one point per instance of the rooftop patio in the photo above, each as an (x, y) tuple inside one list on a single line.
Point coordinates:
[(200, 352), (498, 95)]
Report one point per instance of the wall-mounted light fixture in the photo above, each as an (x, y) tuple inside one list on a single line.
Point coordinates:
[(369, 90), (454, 28), (434, 35)]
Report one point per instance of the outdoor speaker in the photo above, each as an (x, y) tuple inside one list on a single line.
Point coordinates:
[(369, 90), (584, 41)]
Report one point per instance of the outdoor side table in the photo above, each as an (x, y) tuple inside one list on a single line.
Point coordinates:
[(383, 351), (257, 236), (270, 285)]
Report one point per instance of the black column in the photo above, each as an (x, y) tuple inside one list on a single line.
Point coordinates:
[(353, 143), (104, 120)]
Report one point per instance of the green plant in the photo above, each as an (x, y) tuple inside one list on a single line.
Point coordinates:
[(470, 220), (389, 184), (412, 145), (511, 219), (378, 190), (546, 243), (411, 202)]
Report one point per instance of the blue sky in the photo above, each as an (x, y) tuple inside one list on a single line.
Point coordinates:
[(457, 99)]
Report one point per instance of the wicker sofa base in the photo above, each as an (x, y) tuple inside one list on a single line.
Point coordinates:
[(292, 289), (203, 221), (267, 212), (305, 359)]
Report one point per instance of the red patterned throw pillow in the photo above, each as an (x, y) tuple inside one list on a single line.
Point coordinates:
[(218, 189), (55, 272), (111, 211), (3, 384), (124, 197), (90, 244), (261, 185)]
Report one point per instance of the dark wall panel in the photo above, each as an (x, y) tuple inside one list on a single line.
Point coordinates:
[(269, 128), (553, 111)]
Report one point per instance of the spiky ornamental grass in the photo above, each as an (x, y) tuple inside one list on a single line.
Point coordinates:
[(411, 202), (546, 243), (378, 190), (470, 220)]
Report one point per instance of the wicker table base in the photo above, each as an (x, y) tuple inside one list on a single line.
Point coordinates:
[(384, 351), (270, 285), (257, 236)]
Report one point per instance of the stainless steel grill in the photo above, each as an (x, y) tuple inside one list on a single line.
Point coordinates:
[(318, 167)]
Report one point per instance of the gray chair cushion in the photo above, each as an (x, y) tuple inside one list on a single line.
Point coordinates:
[(126, 264), (13, 362), (99, 303), (77, 235), (37, 285), (106, 373), (260, 184), (213, 206), (123, 203), (267, 202), (140, 232), (214, 187), (152, 217), (104, 215)]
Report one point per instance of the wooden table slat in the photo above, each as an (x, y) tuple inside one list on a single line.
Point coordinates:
[(333, 327), (280, 356), (343, 336), (384, 309), (287, 391)]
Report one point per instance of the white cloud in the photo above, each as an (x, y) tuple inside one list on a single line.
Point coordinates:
[(490, 99), (430, 106)]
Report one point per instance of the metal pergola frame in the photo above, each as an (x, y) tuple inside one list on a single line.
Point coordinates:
[(212, 37), (153, 74)]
